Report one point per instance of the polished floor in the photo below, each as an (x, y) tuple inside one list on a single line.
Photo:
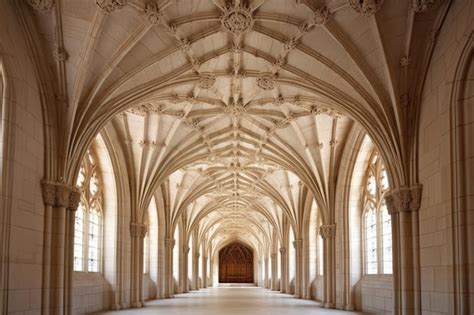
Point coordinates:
[(230, 300)]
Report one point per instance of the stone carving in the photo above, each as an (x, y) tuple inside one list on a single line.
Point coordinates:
[(366, 7), (186, 249), (170, 242), (405, 61), (61, 55), (43, 6), (153, 15), (206, 81), (297, 243), (237, 19), (420, 6), (138, 230), (405, 199), (108, 6), (266, 82), (58, 194), (321, 16), (282, 250), (327, 231)]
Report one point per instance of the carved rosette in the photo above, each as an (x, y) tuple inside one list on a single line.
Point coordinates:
[(366, 7), (138, 230), (420, 6), (153, 15), (43, 6), (327, 231), (61, 55), (321, 16), (406, 199), (237, 20), (108, 6), (206, 81), (266, 82)]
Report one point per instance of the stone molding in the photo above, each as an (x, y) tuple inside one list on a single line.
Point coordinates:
[(327, 231), (365, 7), (58, 194), (42, 6), (138, 230), (405, 199)]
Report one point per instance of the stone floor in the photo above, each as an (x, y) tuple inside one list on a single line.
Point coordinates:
[(232, 300)]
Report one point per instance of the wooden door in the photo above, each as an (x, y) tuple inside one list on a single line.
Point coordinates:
[(236, 264)]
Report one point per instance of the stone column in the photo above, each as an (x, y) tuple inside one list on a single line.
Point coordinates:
[(298, 244), (274, 271), (61, 201), (328, 233), (196, 270), (169, 283), (137, 233), (284, 269), (266, 281), (185, 269), (403, 205), (204, 270)]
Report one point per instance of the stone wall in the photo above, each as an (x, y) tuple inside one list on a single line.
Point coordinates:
[(437, 169)]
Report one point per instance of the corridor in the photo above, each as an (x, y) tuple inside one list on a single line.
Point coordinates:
[(232, 300)]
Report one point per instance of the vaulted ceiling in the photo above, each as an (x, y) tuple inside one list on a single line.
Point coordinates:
[(237, 111)]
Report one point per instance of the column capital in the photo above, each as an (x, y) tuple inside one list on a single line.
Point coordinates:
[(404, 199), (273, 255), (170, 242), (297, 243), (282, 250), (138, 230), (60, 194), (327, 231), (197, 254), (186, 249)]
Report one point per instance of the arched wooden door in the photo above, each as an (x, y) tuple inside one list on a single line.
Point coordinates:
[(236, 264)]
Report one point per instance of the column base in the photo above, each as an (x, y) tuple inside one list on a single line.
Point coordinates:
[(328, 305), (350, 307)]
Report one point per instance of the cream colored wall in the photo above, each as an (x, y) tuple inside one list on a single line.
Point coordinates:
[(436, 168), (91, 292), (22, 249)]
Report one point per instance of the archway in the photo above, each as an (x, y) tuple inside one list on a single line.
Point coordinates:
[(236, 264)]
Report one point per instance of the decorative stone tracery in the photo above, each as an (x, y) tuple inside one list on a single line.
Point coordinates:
[(266, 82), (206, 81), (237, 19)]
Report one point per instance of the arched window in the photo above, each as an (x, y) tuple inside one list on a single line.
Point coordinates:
[(291, 256), (313, 238), (146, 253), (88, 223), (377, 224)]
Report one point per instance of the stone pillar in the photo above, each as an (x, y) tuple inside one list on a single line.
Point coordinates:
[(137, 233), (403, 205), (284, 269), (328, 234), (298, 244), (169, 283), (196, 270), (61, 201), (274, 271), (185, 269), (204, 270), (266, 281)]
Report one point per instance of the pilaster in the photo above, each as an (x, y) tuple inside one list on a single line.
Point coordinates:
[(284, 269)]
